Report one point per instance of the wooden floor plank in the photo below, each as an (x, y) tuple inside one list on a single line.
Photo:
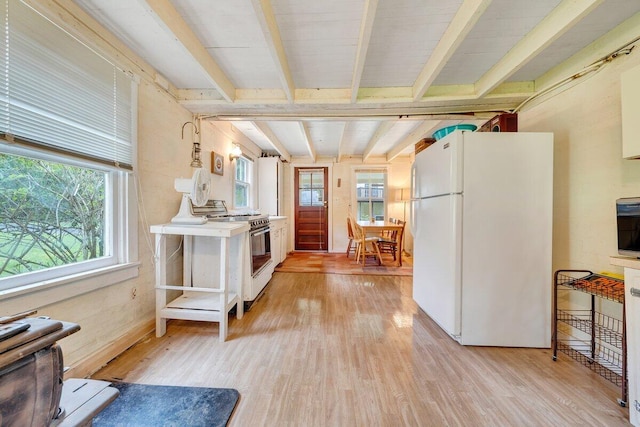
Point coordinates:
[(332, 263), (354, 350)]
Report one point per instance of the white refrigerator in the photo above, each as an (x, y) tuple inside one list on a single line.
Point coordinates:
[(481, 218)]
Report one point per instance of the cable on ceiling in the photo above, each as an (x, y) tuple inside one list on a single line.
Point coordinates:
[(590, 70)]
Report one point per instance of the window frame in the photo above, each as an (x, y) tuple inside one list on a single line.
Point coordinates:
[(44, 287), (77, 278), (248, 185), (385, 199)]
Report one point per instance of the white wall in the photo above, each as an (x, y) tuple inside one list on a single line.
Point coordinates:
[(589, 172)]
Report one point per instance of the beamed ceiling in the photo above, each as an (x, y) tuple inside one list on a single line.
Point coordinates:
[(363, 78)]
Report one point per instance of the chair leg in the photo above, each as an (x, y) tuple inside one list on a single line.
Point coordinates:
[(377, 250), (349, 248)]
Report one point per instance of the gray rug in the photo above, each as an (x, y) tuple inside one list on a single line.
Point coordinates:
[(142, 405)]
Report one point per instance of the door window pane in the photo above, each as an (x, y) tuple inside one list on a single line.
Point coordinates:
[(311, 188)]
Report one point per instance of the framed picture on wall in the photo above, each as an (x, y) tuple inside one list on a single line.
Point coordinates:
[(217, 163)]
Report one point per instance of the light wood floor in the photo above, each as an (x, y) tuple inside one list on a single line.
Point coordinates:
[(353, 350), (339, 263)]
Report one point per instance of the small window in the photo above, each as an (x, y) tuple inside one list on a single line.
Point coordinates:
[(370, 194), (242, 187)]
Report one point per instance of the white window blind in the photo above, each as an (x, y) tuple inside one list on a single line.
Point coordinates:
[(59, 94)]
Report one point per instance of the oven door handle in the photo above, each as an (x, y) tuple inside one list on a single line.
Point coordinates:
[(259, 232)]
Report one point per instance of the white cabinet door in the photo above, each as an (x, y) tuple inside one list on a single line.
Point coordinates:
[(283, 242), (632, 307), (275, 244), (630, 99)]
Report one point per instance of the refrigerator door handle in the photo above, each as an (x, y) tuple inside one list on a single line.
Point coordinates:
[(412, 201)]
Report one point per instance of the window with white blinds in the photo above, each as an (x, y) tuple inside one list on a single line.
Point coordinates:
[(68, 212), (58, 94)]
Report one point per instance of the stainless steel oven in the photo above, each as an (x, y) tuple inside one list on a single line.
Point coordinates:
[(259, 247), (260, 243)]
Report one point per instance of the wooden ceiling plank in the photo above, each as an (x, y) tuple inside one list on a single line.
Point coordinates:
[(273, 140), (559, 21), (311, 149), (366, 28), (422, 131), (271, 32), (597, 49), (464, 20), (169, 17), (379, 133)]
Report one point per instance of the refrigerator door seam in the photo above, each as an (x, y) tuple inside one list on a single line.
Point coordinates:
[(439, 195)]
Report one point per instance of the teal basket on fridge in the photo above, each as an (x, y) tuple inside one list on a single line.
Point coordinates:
[(441, 133)]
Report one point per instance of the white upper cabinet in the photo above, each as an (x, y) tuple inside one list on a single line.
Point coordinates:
[(631, 113)]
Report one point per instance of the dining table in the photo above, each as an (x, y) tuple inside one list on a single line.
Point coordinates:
[(382, 227)]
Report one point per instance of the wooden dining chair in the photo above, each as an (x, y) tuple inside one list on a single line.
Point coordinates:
[(392, 243), (353, 244), (389, 234), (367, 246)]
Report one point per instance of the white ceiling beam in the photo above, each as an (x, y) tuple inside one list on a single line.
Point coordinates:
[(167, 16), (311, 149), (273, 140), (271, 32), (366, 27), (463, 21), (372, 98), (377, 135), (422, 131), (559, 21), (341, 141)]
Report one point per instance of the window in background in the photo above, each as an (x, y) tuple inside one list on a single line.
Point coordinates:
[(370, 194), (242, 185)]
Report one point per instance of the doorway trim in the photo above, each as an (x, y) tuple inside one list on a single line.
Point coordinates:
[(292, 201)]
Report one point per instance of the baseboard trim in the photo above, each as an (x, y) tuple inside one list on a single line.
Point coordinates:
[(92, 363)]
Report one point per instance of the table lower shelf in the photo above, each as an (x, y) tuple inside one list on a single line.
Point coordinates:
[(198, 306)]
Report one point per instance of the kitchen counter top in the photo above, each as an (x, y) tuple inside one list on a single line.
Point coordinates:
[(211, 229), (625, 261)]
